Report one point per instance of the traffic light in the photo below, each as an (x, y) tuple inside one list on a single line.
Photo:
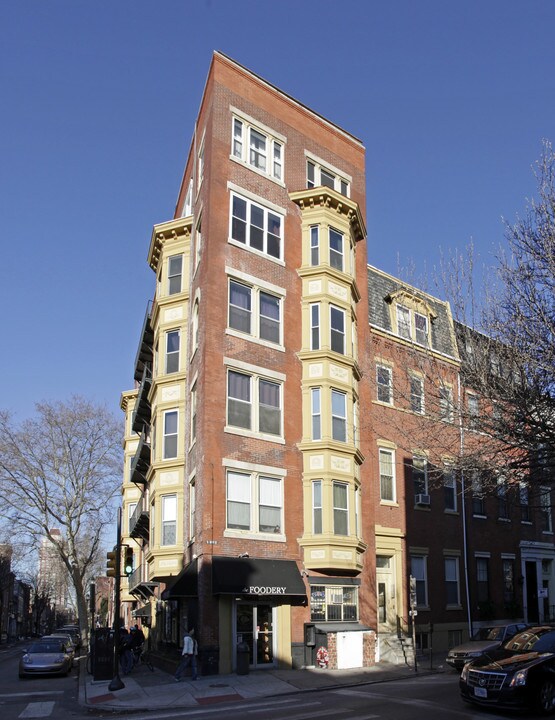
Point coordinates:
[(128, 561), (111, 564)]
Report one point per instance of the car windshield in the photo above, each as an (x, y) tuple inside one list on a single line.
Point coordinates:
[(484, 633), (496, 633), (46, 647)]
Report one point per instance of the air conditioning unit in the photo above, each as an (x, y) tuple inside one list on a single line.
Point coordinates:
[(421, 499)]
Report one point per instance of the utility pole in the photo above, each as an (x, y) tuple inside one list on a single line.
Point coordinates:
[(117, 683)]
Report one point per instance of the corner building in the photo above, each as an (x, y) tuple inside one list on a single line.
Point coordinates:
[(243, 490)]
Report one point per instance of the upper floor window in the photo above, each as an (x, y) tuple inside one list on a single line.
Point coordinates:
[(175, 271), (188, 204), (316, 413), (200, 165), (195, 327), (333, 603), (473, 411), (340, 508), (318, 174), (337, 250), (412, 325), (502, 501), (482, 579), (254, 312), (417, 394), (170, 434), (450, 488), (169, 519), (256, 227), (420, 475), (314, 245), (337, 329), (193, 413), (452, 581), (253, 403), (384, 384), (339, 415), (315, 326), (478, 503), (419, 571), (254, 502), (172, 351), (258, 148), (524, 496), (387, 475), (546, 510), (446, 408), (317, 507)]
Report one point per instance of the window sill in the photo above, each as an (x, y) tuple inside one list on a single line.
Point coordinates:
[(448, 511), (257, 436), (389, 503), (256, 170), (479, 517), (254, 251), (453, 607), (249, 535), (504, 519), (254, 339)]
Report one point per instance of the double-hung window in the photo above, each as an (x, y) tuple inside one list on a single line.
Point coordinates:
[(194, 413), (452, 580), (418, 570), (446, 409), (258, 148), (420, 328), (473, 411), (337, 329), (170, 434), (546, 511), (318, 174), (502, 501), (478, 502), (339, 415), (258, 228), (169, 520), (254, 403), (336, 249), (172, 351), (317, 507), (340, 508), (412, 325), (254, 502), (524, 496), (482, 579), (314, 245), (254, 312), (420, 475), (315, 326), (175, 271), (316, 413), (384, 384), (188, 204), (417, 394), (387, 475), (450, 488), (403, 322)]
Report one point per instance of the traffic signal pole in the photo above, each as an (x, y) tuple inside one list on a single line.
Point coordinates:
[(116, 682)]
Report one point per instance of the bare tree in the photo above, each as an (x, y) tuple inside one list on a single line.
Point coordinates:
[(61, 470)]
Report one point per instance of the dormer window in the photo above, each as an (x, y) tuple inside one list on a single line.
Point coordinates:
[(412, 325)]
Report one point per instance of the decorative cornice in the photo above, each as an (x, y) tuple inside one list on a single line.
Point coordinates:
[(171, 230), (325, 197)]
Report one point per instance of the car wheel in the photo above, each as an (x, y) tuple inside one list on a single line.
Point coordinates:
[(546, 697)]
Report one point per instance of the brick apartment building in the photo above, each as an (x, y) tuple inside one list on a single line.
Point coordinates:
[(269, 492)]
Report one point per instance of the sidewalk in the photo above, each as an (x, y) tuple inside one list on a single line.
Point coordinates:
[(146, 690)]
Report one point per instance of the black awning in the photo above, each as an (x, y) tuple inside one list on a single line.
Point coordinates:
[(337, 627), (143, 612), (185, 584), (251, 578)]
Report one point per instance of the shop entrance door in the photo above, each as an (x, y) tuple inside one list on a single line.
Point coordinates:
[(255, 626)]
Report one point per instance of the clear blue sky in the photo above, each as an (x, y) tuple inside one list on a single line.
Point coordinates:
[(98, 100)]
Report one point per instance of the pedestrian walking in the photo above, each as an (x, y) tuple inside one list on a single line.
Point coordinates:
[(188, 656)]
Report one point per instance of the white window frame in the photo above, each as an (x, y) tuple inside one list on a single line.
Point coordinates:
[(384, 465), (168, 512), (446, 404), (167, 436), (316, 169), (409, 325), (194, 408), (341, 514), (188, 204), (451, 569), (243, 130), (172, 354), (473, 406), (417, 399), (336, 254), (315, 340), (420, 577), (338, 420), (253, 496), (317, 507), (255, 314), (255, 379), (314, 245), (384, 390), (338, 332), (200, 164), (173, 275), (316, 413), (268, 214)]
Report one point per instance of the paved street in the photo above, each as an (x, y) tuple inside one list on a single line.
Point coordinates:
[(434, 696)]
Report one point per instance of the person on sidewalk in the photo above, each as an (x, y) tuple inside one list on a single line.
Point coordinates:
[(188, 656)]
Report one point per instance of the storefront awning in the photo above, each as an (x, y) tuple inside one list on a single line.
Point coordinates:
[(185, 584), (143, 612), (254, 578), (340, 627)]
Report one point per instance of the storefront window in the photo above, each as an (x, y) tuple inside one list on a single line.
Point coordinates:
[(333, 602)]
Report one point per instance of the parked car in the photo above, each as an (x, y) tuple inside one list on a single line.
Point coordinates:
[(520, 674), (75, 633), (482, 642), (64, 638), (45, 657)]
